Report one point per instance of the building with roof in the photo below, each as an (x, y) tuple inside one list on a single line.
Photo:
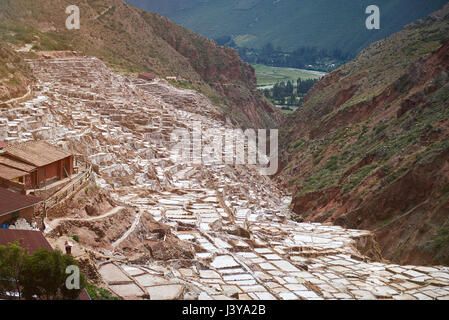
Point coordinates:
[(147, 76), (34, 164), (29, 240), (15, 173), (15, 205)]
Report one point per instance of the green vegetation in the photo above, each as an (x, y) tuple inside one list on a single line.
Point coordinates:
[(439, 243), (14, 72), (302, 57), (267, 75), (431, 152), (21, 35), (355, 179), (442, 238), (96, 293), (386, 140), (74, 237), (41, 275), (385, 222), (289, 94)]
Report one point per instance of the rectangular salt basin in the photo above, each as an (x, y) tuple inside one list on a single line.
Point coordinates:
[(222, 244), (132, 270), (204, 255), (185, 236), (232, 271), (224, 262), (210, 199), (237, 277), (171, 201)]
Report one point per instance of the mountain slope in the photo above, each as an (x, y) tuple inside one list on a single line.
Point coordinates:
[(369, 148), (132, 40), (290, 24), (14, 74)]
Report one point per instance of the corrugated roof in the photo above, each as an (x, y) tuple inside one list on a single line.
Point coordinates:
[(16, 164), (84, 295), (11, 201), (36, 153), (9, 173), (146, 75)]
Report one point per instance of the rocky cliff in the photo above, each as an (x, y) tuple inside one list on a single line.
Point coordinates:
[(369, 148)]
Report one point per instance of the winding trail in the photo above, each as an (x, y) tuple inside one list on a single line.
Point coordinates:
[(50, 225), (18, 99)]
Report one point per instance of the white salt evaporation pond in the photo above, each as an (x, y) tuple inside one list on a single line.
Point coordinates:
[(237, 222)]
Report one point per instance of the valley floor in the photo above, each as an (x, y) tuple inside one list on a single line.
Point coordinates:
[(268, 76), (226, 228)]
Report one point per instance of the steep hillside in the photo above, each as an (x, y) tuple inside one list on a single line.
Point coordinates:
[(289, 24), (132, 40), (369, 148), (14, 74)]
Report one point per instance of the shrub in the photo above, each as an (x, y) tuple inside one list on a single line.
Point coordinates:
[(332, 163), (74, 237), (96, 293), (354, 180)]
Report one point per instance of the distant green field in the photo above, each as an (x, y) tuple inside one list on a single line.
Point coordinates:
[(271, 75)]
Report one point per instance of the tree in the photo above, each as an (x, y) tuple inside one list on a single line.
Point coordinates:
[(277, 91), (288, 89), (267, 93), (292, 100), (305, 86), (282, 100), (72, 294), (43, 275), (282, 89), (11, 261), (267, 50)]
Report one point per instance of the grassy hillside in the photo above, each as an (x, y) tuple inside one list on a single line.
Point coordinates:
[(369, 147), (289, 24), (14, 74), (132, 40)]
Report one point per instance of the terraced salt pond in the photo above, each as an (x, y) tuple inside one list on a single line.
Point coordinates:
[(238, 221)]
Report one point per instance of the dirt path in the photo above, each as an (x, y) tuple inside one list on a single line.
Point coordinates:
[(19, 98), (50, 225)]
